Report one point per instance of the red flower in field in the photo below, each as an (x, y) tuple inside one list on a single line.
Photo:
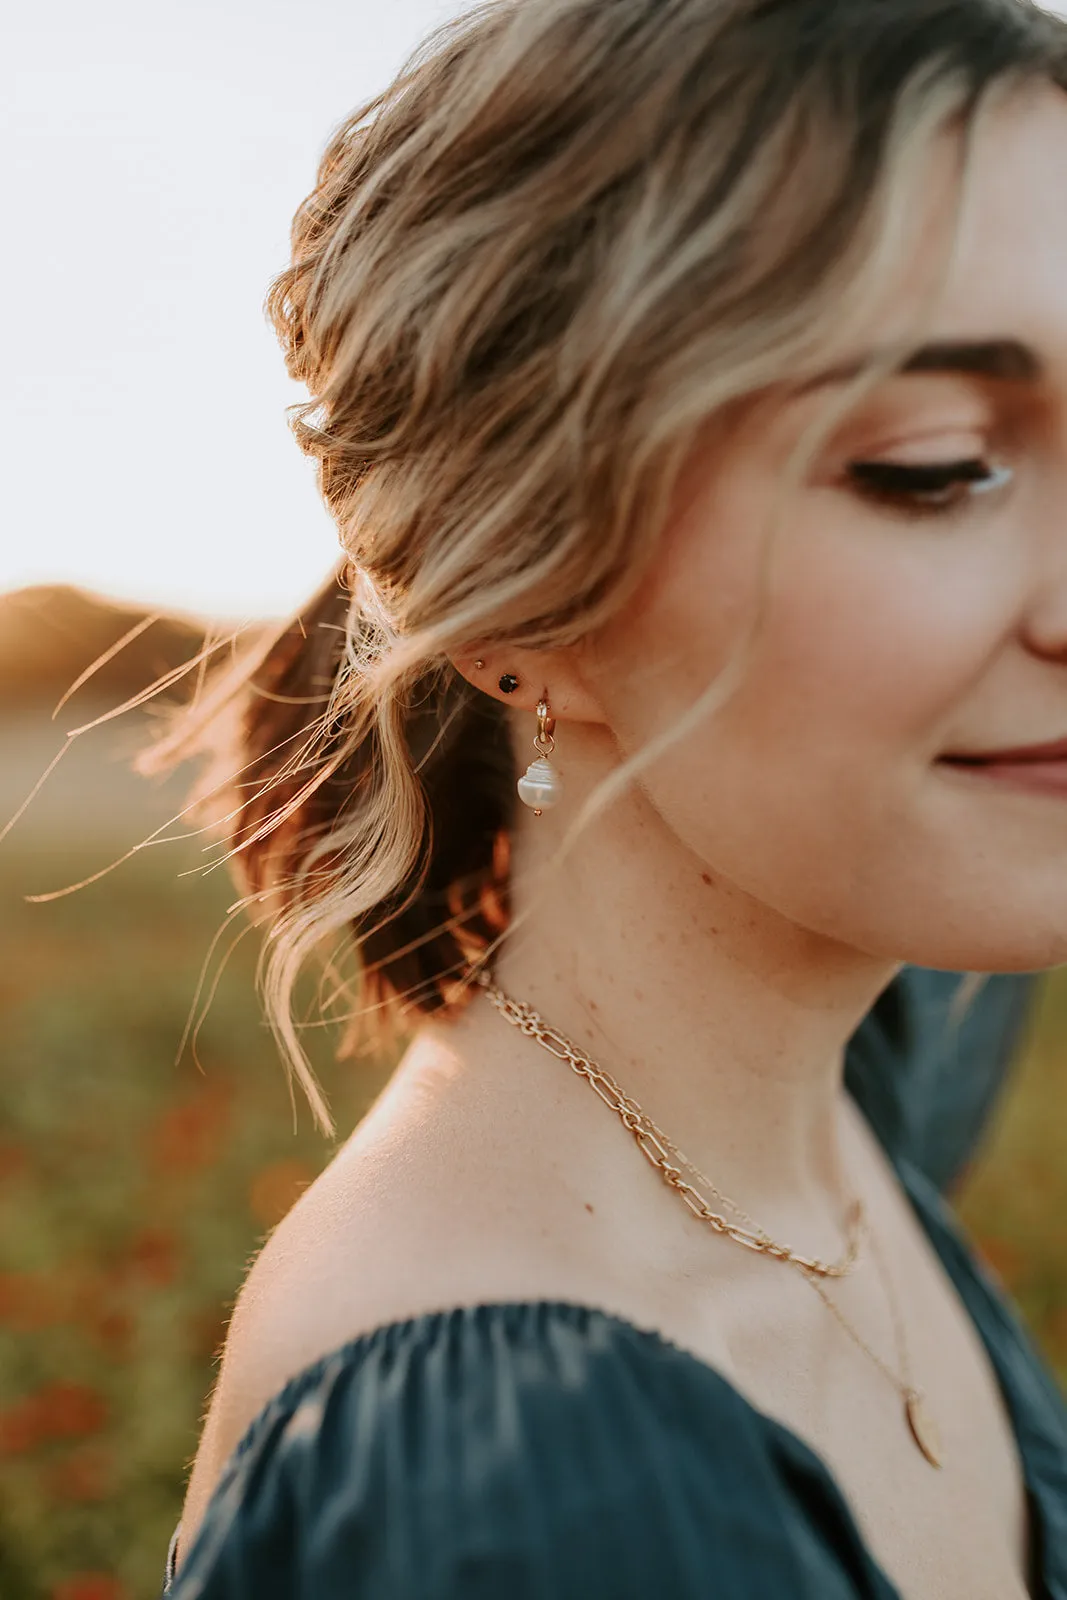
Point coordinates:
[(1056, 1334), (152, 1256), (89, 1293), (90, 1586), (82, 1475), (32, 1300), (1004, 1260), (20, 1428), (71, 1410), (187, 1136), (14, 1159), (55, 1411), (276, 1188), (114, 1330)]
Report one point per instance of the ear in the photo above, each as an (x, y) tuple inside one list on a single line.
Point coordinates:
[(534, 672)]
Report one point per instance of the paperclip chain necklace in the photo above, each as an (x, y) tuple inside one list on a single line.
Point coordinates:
[(658, 1151)]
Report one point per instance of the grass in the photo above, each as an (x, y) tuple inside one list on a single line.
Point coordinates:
[(132, 1192), (1014, 1199)]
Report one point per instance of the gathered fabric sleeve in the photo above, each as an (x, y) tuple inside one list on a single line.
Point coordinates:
[(534, 1450)]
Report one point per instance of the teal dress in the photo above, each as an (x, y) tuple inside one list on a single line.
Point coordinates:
[(545, 1450)]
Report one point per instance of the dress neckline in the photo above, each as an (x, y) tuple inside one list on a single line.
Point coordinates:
[(1035, 1405)]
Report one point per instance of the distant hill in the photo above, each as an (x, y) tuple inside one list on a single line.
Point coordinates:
[(50, 634)]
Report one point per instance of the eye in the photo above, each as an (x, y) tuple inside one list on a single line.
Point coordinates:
[(934, 488)]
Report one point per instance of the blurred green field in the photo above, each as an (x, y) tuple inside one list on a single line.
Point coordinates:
[(133, 1189), (132, 1193)]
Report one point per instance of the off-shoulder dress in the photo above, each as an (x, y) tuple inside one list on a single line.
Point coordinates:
[(548, 1450)]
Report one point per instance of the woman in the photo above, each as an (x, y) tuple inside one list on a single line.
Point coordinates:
[(689, 385)]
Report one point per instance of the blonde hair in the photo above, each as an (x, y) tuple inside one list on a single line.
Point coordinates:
[(569, 234)]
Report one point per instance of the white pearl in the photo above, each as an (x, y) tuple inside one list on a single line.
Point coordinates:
[(540, 785)]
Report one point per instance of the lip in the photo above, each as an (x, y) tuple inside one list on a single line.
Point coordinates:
[(1039, 768), (1055, 750)]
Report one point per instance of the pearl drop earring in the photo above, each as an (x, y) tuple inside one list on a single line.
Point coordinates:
[(540, 786)]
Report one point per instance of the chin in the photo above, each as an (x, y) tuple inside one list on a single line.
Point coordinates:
[(1004, 947), (970, 902)]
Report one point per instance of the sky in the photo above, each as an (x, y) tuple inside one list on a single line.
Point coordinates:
[(155, 155)]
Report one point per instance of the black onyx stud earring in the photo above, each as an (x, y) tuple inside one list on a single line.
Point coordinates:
[(508, 683)]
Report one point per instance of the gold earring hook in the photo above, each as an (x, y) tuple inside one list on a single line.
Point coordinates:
[(544, 743)]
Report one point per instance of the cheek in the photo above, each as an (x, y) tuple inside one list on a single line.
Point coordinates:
[(870, 636), (811, 788), (871, 642)]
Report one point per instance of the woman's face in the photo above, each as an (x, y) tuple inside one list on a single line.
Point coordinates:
[(893, 638)]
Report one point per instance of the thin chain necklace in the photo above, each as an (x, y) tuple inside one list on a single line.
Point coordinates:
[(659, 1150)]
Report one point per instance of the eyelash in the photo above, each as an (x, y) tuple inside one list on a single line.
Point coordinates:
[(907, 488)]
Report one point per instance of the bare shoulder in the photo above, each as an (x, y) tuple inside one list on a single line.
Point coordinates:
[(355, 1252), (402, 1221)]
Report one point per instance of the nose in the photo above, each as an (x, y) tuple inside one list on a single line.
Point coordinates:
[(1046, 630), (1045, 621)]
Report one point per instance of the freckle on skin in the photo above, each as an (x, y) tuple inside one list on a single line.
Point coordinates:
[(705, 877), (588, 1207)]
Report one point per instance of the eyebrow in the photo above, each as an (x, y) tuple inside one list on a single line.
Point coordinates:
[(1007, 360)]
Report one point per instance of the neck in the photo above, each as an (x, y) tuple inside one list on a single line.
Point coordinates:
[(727, 1023)]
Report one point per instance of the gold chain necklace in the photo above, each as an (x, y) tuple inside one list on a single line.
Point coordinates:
[(658, 1151)]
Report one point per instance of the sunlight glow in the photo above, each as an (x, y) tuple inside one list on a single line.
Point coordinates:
[(156, 155)]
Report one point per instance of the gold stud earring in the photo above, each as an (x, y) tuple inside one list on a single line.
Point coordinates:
[(540, 786), (479, 664)]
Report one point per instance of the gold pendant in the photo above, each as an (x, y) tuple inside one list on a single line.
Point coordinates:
[(923, 1427)]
